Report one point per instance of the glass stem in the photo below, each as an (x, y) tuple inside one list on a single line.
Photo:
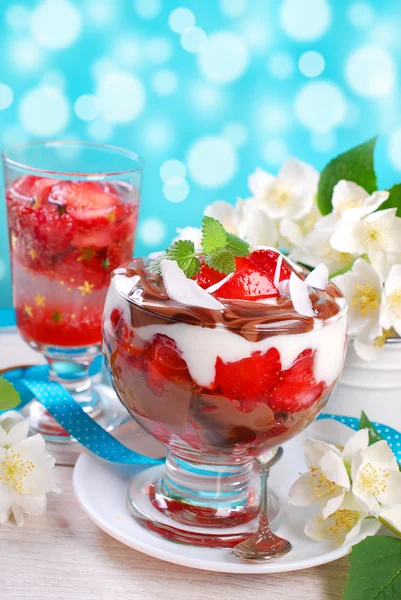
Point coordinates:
[(263, 492), (73, 375)]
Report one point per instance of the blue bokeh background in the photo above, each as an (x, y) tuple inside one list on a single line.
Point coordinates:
[(217, 87)]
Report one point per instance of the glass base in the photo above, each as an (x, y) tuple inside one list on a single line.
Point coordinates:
[(201, 518)]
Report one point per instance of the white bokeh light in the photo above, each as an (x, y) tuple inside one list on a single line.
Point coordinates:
[(394, 148), (100, 13), (223, 58), (361, 15), (147, 9), (311, 64), (323, 142), (100, 130), (18, 17), (121, 97), (236, 133), (54, 79), (176, 189), (158, 50), (157, 134), (206, 98), (172, 168), (305, 21), (233, 8), (87, 107), (193, 40), (275, 151), (164, 82), (212, 161), (103, 66), (281, 65), (44, 111), (385, 34), (127, 50), (370, 71), (151, 231), (55, 24), (320, 106), (272, 117), (181, 19), (25, 55), (6, 96), (257, 35)]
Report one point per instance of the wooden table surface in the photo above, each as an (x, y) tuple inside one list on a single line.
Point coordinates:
[(64, 556)]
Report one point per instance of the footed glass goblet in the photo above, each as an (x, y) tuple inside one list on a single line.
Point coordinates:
[(72, 214), (218, 388)]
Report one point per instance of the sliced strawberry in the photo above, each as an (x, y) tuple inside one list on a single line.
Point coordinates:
[(250, 379), (247, 284), (84, 196), (165, 357), (265, 261), (296, 388), (208, 276), (35, 189)]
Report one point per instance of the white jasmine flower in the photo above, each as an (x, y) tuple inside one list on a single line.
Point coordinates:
[(378, 235), (26, 476), (256, 226), (13, 428), (194, 234), (294, 233), (376, 476), (391, 308), (229, 216), (327, 481), (391, 516), (289, 195), (363, 290), (344, 525)]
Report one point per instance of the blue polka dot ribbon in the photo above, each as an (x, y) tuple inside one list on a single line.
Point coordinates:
[(392, 436), (33, 382)]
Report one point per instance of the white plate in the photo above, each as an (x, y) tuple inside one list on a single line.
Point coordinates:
[(101, 489)]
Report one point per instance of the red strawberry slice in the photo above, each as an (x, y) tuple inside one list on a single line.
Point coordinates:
[(265, 261), (33, 188), (165, 357), (208, 276), (250, 379), (85, 196), (247, 284), (296, 388)]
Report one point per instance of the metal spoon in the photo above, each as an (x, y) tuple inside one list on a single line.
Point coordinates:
[(264, 544)]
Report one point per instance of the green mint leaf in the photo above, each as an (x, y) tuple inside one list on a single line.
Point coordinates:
[(222, 261), (154, 264), (375, 570), (236, 246), (214, 236), (183, 252), (365, 423), (9, 397), (394, 200), (343, 270), (355, 165)]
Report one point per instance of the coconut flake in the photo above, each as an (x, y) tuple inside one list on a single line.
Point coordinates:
[(318, 278), (185, 290), (277, 272), (284, 287), (300, 296), (216, 286)]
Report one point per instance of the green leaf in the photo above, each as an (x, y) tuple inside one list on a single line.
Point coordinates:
[(394, 200), (365, 423), (375, 570), (183, 252), (354, 165), (236, 246), (222, 260), (9, 397), (214, 236), (343, 269)]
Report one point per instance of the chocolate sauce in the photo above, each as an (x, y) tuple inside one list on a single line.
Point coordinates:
[(253, 320)]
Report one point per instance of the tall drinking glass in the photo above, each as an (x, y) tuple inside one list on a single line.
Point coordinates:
[(72, 214)]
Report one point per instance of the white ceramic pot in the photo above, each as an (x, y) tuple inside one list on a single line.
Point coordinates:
[(373, 387)]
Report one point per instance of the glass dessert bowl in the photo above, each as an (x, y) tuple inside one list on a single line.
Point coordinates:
[(69, 228), (219, 386)]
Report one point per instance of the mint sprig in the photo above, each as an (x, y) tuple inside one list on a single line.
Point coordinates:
[(219, 250)]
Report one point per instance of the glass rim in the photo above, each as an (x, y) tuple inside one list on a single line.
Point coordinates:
[(130, 301), (60, 143)]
